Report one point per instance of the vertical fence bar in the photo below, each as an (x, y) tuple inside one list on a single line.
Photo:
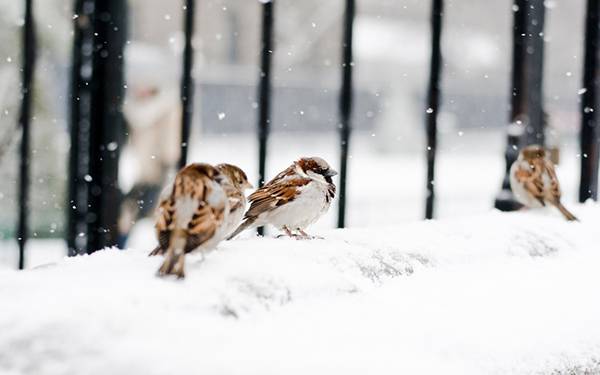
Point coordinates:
[(79, 125), (345, 107), (534, 132), (107, 122), (590, 105), (81, 72), (28, 65), (74, 131), (97, 124), (264, 91), (526, 125), (433, 101), (187, 82)]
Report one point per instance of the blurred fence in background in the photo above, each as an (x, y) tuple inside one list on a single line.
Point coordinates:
[(300, 59)]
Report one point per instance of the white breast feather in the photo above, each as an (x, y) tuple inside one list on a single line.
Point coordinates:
[(308, 206), (521, 194)]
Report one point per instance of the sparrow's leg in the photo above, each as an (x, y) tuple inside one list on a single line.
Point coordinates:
[(168, 263), (288, 233), (178, 268), (304, 235), (174, 257)]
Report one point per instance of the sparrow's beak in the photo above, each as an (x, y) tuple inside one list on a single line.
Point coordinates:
[(248, 185), (330, 172)]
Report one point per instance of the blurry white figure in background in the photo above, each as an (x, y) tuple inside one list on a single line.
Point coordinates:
[(152, 112)]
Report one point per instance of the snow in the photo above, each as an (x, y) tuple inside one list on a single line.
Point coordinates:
[(493, 293)]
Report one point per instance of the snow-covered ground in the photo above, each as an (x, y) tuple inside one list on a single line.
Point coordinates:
[(486, 294)]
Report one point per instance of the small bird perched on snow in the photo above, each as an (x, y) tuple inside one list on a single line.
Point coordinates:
[(534, 182), (234, 185), (191, 217), (294, 199)]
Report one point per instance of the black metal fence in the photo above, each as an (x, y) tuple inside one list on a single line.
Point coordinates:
[(97, 123), (97, 92)]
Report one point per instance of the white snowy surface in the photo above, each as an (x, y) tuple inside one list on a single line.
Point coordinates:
[(489, 294)]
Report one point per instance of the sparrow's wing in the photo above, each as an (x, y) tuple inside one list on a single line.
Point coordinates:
[(271, 196), (209, 215), (553, 190), (531, 178), (283, 175), (164, 218)]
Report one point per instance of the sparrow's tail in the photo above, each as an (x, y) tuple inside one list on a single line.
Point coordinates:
[(175, 256), (246, 224), (157, 251), (567, 214)]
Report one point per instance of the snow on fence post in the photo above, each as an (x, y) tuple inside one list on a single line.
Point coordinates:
[(345, 107), (526, 125), (187, 82), (97, 124), (264, 91), (433, 101), (590, 105), (27, 70)]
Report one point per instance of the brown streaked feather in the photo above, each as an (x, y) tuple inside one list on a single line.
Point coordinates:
[(194, 181), (288, 172), (274, 195), (235, 196), (531, 178), (330, 190), (554, 188)]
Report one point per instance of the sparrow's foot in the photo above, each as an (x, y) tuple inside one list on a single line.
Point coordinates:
[(306, 236), (172, 265), (301, 235), (288, 233), (292, 235), (309, 237)]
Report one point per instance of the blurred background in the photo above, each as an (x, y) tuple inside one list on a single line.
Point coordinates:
[(386, 183)]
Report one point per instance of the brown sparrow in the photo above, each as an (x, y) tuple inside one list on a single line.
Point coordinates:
[(534, 182), (234, 184), (294, 199), (191, 216)]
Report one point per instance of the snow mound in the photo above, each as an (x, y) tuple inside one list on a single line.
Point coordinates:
[(493, 294)]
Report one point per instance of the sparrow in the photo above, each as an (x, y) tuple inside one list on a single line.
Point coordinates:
[(191, 216), (294, 199), (534, 182), (234, 184)]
